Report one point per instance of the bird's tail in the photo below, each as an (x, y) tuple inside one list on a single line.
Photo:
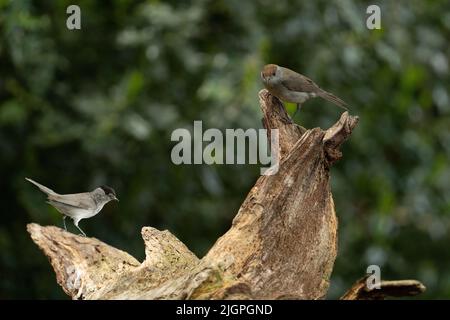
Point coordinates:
[(43, 188), (332, 98)]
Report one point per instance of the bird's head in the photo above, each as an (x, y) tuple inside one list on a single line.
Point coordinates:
[(109, 193), (269, 73)]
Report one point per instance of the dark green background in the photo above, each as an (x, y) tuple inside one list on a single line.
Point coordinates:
[(83, 108)]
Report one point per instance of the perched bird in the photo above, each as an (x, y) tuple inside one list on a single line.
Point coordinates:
[(79, 205), (290, 86)]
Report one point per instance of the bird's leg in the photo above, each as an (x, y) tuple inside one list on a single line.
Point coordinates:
[(64, 222), (299, 106), (75, 222), (82, 232)]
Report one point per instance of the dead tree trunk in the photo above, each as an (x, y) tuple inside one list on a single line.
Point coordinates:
[(282, 243)]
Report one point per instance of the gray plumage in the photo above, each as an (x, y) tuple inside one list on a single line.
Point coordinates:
[(78, 206)]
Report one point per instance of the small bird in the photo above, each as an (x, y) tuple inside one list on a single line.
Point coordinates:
[(290, 86), (79, 205)]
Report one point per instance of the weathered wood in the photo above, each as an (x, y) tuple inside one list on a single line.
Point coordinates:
[(282, 243), (396, 288), (82, 265)]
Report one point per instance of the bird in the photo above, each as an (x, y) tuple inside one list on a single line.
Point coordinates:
[(290, 86), (78, 206)]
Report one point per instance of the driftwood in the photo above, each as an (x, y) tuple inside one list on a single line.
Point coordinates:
[(282, 243), (398, 288)]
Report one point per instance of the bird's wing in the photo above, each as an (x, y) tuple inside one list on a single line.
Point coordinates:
[(79, 200), (297, 82)]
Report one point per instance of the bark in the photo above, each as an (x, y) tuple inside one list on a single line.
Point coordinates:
[(282, 243), (398, 288)]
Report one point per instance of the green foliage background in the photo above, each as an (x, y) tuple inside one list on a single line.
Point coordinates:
[(83, 108)]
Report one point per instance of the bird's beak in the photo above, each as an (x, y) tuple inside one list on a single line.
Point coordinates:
[(262, 76), (116, 199)]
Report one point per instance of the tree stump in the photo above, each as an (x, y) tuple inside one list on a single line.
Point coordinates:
[(282, 243)]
